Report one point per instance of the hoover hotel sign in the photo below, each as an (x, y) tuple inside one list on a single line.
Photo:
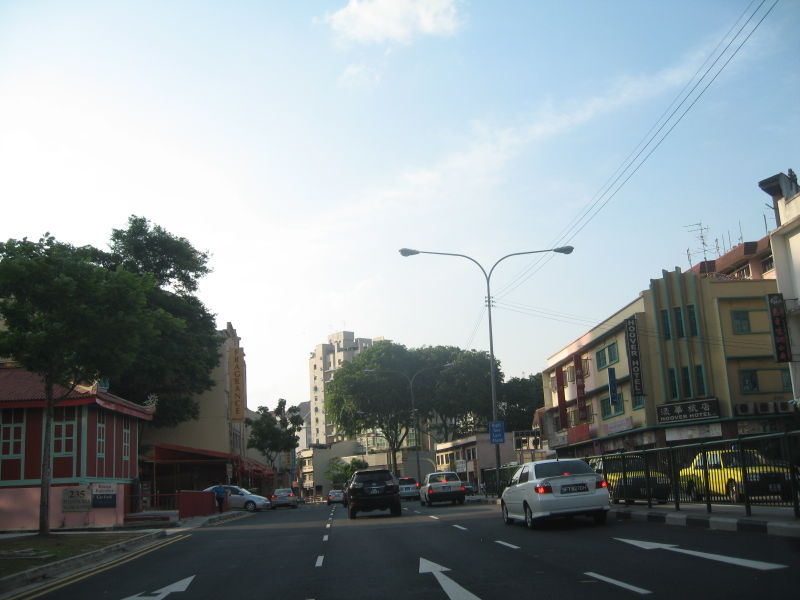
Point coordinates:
[(688, 411)]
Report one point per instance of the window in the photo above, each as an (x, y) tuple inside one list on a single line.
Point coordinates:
[(679, 331), (523, 476), (700, 380), (742, 273), (126, 438), (786, 380), (600, 356), (610, 409), (673, 384), (638, 402), (691, 316), (686, 382), (613, 354), (570, 373), (11, 425), (767, 264), (101, 433), (64, 426), (748, 380), (607, 356), (665, 324), (741, 321)]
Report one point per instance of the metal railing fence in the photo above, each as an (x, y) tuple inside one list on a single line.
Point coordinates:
[(760, 470)]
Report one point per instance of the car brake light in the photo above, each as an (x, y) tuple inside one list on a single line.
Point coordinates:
[(544, 489), (463, 489), (418, 485), (273, 496), (600, 483), (430, 490), (291, 495)]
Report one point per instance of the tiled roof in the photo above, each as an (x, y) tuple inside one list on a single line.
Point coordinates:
[(20, 386)]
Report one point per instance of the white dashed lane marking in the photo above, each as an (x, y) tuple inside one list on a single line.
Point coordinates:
[(319, 561), (507, 545)]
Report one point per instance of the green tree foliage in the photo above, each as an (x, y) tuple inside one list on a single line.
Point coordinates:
[(274, 432), (357, 401), (455, 401), (69, 321), (176, 362), (339, 472), (518, 399)]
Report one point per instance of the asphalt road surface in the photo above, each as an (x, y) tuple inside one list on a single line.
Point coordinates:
[(440, 553)]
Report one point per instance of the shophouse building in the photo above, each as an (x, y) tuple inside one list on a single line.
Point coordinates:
[(785, 241), (692, 358), (195, 454)]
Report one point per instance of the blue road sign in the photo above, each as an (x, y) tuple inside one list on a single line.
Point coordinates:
[(497, 432)]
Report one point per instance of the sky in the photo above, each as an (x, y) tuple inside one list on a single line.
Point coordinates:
[(302, 144)]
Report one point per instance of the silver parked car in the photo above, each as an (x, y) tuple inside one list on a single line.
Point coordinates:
[(283, 497), (241, 498)]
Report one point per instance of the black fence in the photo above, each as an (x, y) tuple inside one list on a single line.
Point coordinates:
[(753, 471)]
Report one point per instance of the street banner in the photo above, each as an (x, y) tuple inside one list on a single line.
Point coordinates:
[(562, 401), (237, 386), (580, 387), (634, 358)]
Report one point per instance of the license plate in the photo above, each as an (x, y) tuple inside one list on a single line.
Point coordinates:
[(445, 488), (373, 491), (775, 488), (571, 489)]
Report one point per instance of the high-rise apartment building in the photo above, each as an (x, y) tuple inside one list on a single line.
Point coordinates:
[(342, 347)]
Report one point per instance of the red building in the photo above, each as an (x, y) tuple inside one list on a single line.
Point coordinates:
[(95, 438)]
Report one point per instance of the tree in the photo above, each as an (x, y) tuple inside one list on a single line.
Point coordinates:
[(458, 399), (357, 402), (339, 472), (518, 400), (69, 321), (176, 363), (275, 431)]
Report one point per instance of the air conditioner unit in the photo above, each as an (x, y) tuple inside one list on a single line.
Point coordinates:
[(783, 406), (765, 408), (743, 409)]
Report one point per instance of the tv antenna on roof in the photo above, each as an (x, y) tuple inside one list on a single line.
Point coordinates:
[(700, 230)]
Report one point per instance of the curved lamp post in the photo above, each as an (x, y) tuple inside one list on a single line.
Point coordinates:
[(410, 381), (488, 277)]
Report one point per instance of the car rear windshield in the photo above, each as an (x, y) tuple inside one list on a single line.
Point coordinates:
[(562, 467), (372, 477), (442, 477), (407, 481)]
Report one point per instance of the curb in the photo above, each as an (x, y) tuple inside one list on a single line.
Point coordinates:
[(714, 522), (17, 580)]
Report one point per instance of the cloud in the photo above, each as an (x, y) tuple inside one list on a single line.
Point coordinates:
[(398, 21), (360, 76)]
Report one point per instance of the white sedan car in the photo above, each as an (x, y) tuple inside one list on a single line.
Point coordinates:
[(241, 498), (554, 488)]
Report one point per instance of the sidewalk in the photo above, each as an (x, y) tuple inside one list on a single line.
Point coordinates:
[(14, 583)]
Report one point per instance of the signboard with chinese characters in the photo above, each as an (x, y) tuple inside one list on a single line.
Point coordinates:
[(562, 400), (780, 334), (680, 412), (634, 358), (104, 495), (580, 387), (76, 499), (237, 385)]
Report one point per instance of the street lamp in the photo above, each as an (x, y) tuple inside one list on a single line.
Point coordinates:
[(488, 277), (410, 381)]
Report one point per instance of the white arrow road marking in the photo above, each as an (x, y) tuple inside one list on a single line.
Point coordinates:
[(621, 584), (741, 562), (507, 545), (450, 587), (178, 586)]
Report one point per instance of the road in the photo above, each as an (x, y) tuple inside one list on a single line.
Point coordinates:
[(440, 553)]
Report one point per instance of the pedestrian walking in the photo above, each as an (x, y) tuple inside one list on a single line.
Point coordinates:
[(220, 491)]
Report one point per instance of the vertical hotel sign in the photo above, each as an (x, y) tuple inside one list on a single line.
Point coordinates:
[(236, 374), (562, 400), (580, 387), (634, 358), (780, 334)]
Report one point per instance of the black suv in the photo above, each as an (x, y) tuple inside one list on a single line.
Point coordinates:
[(373, 489)]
